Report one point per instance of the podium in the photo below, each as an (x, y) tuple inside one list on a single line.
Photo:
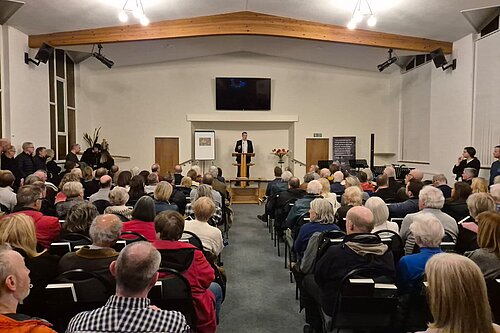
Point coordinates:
[(243, 166)]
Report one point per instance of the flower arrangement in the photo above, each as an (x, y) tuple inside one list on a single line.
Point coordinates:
[(280, 152)]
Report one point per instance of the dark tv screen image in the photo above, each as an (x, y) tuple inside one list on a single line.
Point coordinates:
[(242, 93)]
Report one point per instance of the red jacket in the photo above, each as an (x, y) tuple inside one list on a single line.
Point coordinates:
[(147, 229), (200, 274), (32, 325), (47, 227)]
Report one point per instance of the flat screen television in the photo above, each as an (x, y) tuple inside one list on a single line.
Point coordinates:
[(242, 93)]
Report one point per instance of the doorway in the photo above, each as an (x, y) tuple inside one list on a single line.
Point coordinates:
[(316, 150), (166, 154)]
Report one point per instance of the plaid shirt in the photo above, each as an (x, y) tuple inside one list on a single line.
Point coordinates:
[(126, 314), (215, 220)]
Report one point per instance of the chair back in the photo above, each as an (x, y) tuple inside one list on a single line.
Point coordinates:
[(414, 308), (132, 236), (494, 298), (327, 239), (397, 246), (192, 238), (76, 239), (101, 205), (60, 248), (173, 292), (122, 217)]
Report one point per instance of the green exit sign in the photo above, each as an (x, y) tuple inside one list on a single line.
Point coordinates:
[(318, 135)]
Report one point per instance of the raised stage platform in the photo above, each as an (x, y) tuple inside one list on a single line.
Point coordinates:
[(250, 194)]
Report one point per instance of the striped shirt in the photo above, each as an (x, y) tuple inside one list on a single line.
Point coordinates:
[(127, 314)]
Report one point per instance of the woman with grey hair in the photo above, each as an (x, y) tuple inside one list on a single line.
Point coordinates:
[(380, 215), (118, 197), (74, 194), (78, 219), (428, 233), (321, 219), (205, 191)]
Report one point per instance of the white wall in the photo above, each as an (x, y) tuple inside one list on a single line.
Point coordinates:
[(450, 110), (26, 92), (135, 104)]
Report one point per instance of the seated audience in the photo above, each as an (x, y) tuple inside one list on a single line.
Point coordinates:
[(78, 220), (40, 158), (68, 177), (151, 182), (337, 187), (414, 174), (162, 195), (383, 190), (113, 171), (495, 193), (72, 155), (307, 178), (324, 173), (104, 231), (278, 203), (330, 197), (14, 288), (456, 205), (452, 279), (430, 201), (7, 196), (118, 197), (401, 209), (359, 249), (19, 231), (428, 233), (106, 161), (271, 191), (282, 185), (194, 178), (74, 195), (217, 185), (144, 174), (394, 185), (441, 183), (136, 190), (314, 171), (322, 219), (354, 181), (29, 199), (220, 177), (104, 189), (155, 168), (302, 205), (143, 216), (380, 216), (90, 184), (207, 180), (353, 196), (197, 270), (211, 237), (177, 197), (123, 179), (479, 185), (52, 168), (466, 161), (205, 191), (468, 175), (186, 186), (136, 272)]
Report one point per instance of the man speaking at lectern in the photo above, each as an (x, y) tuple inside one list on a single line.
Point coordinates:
[(243, 146)]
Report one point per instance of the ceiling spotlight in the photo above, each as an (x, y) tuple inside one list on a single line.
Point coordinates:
[(392, 59), (372, 21), (361, 10), (109, 63), (122, 16)]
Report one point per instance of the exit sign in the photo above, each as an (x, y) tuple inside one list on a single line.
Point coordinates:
[(317, 135)]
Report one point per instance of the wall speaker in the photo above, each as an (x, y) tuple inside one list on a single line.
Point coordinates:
[(44, 53), (438, 58)]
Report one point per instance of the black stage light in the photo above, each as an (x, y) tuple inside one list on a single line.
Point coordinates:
[(392, 59), (109, 63)]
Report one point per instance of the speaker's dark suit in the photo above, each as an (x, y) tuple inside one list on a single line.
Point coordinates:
[(239, 149)]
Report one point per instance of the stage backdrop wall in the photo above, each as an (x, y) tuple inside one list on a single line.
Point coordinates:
[(134, 104)]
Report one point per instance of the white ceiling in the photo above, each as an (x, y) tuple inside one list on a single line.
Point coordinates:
[(433, 19)]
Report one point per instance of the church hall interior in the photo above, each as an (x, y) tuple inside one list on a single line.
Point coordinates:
[(332, 74)]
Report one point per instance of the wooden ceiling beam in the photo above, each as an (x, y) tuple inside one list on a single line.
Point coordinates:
[(239, 23)]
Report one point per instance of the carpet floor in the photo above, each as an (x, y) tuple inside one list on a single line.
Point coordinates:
[(260, 297)]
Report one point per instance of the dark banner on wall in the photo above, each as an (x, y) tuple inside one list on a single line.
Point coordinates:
[(344, 149)]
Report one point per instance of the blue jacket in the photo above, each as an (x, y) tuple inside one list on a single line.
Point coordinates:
[(306, 231), (401, 209), (300, 207), (411, 268)]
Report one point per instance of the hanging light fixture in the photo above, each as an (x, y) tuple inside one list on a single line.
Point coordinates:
[(135, 8), (361, 10)]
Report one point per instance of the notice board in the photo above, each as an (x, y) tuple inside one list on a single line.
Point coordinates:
[(204, 145), (344, 149)]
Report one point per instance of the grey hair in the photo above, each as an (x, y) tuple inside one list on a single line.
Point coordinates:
[(427, 230), (136, 265), (285, 176), (314, 187), (440, 178), (203, 191), (353, 196), (213, 171), (369, 173), (352, 181), (480, 202), (379, 210), (495, 191), (325, 172), (390, 171), (431, 197), (324, 210), (5, 266), (118, 196), (471, 172), (338, 176), (104, 234)]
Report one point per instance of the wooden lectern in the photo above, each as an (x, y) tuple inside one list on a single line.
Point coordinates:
[(243, 166)]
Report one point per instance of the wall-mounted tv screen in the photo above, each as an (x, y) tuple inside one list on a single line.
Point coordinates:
[(242, 93)]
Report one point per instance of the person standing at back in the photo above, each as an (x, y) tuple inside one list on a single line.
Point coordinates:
[(466, 160)]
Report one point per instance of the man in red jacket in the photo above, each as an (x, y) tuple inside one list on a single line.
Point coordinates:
[(29, 202), (14, 288)]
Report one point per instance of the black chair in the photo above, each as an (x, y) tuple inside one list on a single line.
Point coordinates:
[(494, 298), (173, 292), (363, 304), (122, 217), (101, 205), (60, 248), (414, 310), (192, 239), (75, 239), (137, 237), (75, 291), (397, 245)]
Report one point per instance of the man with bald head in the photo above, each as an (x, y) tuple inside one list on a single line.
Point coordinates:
[(129, 310), (415, 175), (394, 185), (104, 231), (104, 189), (359, 249)]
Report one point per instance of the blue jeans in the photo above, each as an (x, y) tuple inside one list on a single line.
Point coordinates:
[(217, 291)]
